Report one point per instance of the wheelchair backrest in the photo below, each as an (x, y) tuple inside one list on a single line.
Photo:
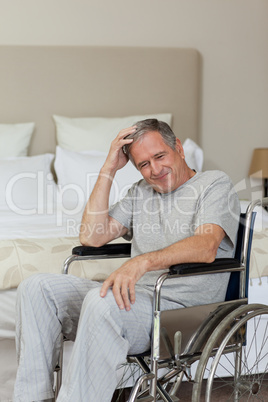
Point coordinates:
[(232, 292)]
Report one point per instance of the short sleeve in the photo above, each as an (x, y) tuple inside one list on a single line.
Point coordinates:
[(219, 204)]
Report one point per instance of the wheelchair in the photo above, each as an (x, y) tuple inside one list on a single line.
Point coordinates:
[(220, 348)]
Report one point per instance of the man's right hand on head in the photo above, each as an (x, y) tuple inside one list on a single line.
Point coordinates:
[(116, 158)]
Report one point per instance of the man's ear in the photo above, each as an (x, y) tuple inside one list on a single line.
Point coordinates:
[(179, 148)]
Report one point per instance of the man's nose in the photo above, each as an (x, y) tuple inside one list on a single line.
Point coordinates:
[(156, 168)]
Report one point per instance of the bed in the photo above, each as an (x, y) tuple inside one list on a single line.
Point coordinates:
[(60, 107)]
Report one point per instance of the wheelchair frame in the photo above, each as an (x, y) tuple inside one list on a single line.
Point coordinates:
[(211, 333)]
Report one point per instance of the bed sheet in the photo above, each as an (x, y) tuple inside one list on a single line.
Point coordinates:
[(58, 222), (42, 245)]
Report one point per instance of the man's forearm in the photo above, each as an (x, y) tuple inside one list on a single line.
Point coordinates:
[(97, 227), (197, 248), (95, 220)]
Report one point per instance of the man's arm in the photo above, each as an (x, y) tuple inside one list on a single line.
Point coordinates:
[(97, 227), (202, 247)]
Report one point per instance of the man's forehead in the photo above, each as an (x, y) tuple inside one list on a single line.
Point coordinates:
[(149, 139), (149, 145)]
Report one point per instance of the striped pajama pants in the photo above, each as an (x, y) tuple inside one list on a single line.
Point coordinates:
[(49, 305)]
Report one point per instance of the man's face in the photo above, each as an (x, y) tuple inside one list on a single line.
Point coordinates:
[(161, 166)]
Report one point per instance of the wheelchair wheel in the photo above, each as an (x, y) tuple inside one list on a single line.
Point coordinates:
[(234, 363)]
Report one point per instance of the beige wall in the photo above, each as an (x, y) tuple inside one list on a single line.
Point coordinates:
[(231, 35)]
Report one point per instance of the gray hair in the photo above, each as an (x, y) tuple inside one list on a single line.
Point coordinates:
[(144, 126)]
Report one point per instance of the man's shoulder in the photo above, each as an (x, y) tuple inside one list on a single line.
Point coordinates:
[(141, 185), (213, 175)]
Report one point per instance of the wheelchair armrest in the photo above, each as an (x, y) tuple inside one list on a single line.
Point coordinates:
[(198, 268), (115, 249)]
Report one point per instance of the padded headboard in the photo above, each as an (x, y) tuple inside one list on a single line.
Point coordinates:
[(37, 82)]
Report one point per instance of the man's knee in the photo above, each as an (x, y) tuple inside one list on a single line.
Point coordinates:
[(33, 284), (96, 306)]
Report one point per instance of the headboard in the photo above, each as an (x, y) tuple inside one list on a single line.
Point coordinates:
[(37, 82)]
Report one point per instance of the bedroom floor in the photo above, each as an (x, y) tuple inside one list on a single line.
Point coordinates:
[(185, 394)]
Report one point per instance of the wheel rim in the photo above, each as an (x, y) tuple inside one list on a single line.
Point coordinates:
[(221, 381), (242, 378)]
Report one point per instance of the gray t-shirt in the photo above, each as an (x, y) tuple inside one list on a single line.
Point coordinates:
[(155, 221)]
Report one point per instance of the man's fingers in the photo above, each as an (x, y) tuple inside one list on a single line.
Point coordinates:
[(123, 288), (116, 291), (123, 135), (118, 296), (105, 286), (132, 295), (125, 297), (126, 131)]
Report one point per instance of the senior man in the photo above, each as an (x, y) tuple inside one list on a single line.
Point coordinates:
[(173, 215)]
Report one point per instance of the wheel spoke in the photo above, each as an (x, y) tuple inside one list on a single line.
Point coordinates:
[(239, 373)]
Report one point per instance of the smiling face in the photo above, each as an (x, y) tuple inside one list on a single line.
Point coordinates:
[(162, 167)]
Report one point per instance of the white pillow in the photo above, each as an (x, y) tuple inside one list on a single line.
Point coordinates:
[(26, 184), (15, 139), (77, 174), (193, 155), (80, 134)]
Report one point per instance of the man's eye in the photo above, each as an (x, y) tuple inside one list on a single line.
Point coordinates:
[(143, 165)]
